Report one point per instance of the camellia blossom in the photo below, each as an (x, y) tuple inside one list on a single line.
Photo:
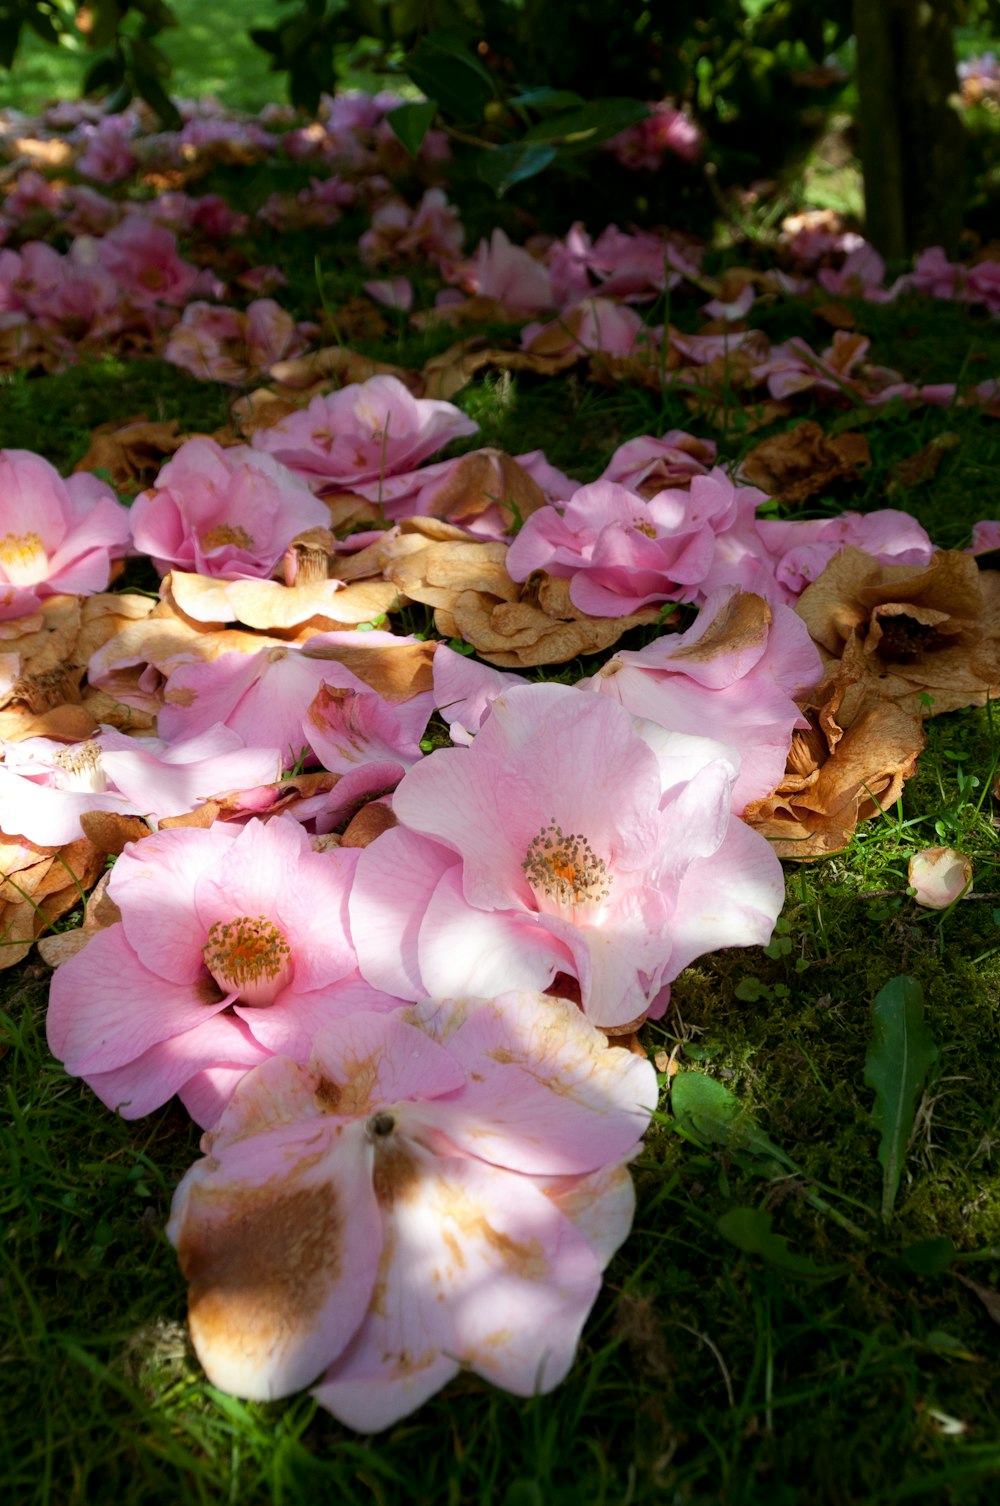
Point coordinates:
[(363, 432), (731, 677), (435, 1191), (622, 552), (558, 843), (46, 786), (233, 945), (56, 535), (228, 513)]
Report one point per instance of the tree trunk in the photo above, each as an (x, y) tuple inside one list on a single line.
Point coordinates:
[(912, 136)]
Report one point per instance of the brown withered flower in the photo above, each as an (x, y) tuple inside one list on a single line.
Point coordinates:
[(929, 636)]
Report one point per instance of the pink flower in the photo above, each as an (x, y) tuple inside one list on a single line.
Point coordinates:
[(46, 786), (511, 276), (228, 513), (233, 944), (346, 728), (107, 156), (143, 259), (647, 465), (800, 550), (665, 129), (514, 862), (622, 552), (220, 344), (56, 535), (595, 324), (362, 433), (449, 1183), (264, 696), (431, 232), (731, 677)]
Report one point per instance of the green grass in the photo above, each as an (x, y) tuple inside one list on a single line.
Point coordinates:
[(706, 1375)]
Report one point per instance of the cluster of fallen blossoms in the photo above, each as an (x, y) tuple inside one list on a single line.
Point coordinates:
[(382, 910), (388, 967), (86, 268)]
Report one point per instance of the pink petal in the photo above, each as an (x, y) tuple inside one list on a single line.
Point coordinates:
[(220, 1043), (106, 1009), (280, 1254)]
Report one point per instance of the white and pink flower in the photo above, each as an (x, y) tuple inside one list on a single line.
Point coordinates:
[(226, 513), (55, 535), (556, 843), (434, 1191), (233, 945)]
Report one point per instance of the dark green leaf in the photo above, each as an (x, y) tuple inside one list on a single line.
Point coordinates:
[(930, 1257), (546, 99), (589, 124), (445, 70), (152, 91), (506, 165), (749, 1229), (10, 33), (104, 72), (899, 1057), (412, 122)]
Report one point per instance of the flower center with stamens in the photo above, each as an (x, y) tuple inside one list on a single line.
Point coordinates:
[(641, 526), (306, 565), (566, 875), (81, 768), (226, 533), (249, 957), (23, 558)]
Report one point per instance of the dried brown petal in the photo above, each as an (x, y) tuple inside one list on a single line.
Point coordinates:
[(803, 461)]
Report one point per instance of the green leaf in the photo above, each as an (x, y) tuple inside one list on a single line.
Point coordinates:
[(589, 124), (152, 91), (710, 1116), (900, 1055), (442, 66), (545, 99), (749, 1229), (930, 1257), (506, 165), (412, 122)]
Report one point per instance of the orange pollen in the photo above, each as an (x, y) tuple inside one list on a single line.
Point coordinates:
[(566, 868), (227, 533), (246, 950), (20, 548)]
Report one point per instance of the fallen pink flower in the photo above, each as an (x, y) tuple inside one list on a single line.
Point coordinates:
[(56, 535), (512, 863), (226, 513), (233, 945), (46, 786), (364, 432), (731, 677), (453, 1182), (622, 552)]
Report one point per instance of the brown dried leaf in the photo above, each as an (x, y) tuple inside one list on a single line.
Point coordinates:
[(337, 361), (922, 466), (99, 913), (802, 462), (110, 831), (851, 764), (836, 314), (370, 822), (37, 886), (918, 631), (131, 451), (454, 368)]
